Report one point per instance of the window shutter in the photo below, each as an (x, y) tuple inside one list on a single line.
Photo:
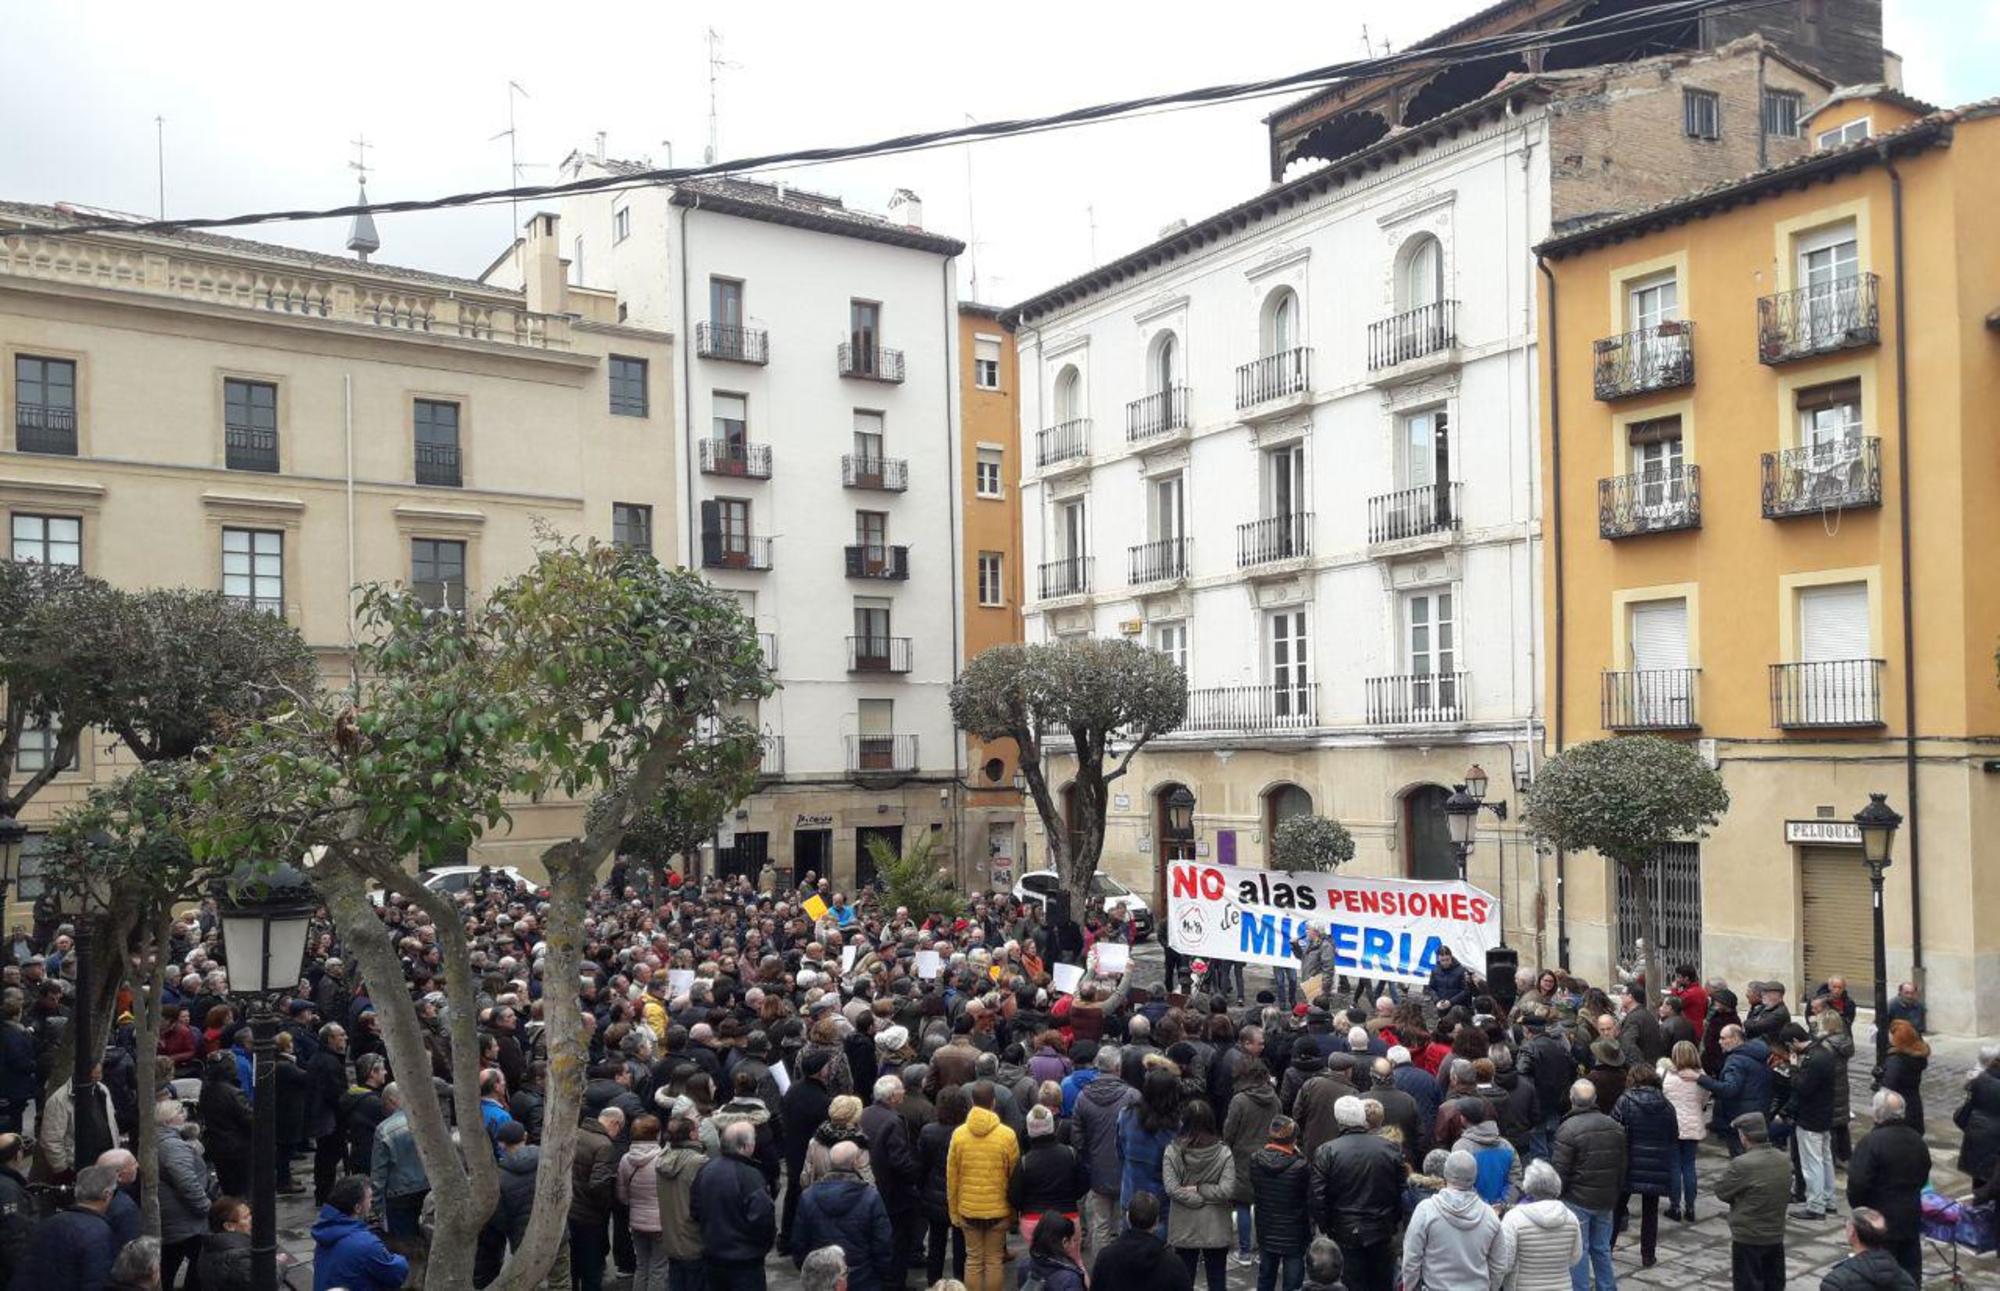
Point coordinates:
[(1659, 635), (1838, 394), (1655, 430), (1833, 623)]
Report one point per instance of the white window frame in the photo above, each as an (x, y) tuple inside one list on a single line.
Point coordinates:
[(993, 579), (1170, 638), (621, 223), (988, 473), (249, 570), (1845, 133), (985, 370)]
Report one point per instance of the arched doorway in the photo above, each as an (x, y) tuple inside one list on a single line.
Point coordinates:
[(1427, 849), (1173, 836), (1281, 803)]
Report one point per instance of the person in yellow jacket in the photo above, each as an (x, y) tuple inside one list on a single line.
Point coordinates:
[(980, 1162)]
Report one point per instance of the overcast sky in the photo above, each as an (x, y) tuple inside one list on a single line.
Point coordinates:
[(261, 100)]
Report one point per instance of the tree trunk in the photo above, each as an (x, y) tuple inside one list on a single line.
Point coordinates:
[(150, 990), (1642, 882)]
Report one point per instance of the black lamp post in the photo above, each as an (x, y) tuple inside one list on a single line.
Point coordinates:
[(81, 904), (1180, 814), (1461, 817), (13, 836), (266, 915), (1878, 822)]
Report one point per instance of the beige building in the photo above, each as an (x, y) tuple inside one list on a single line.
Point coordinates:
[(204, 411)]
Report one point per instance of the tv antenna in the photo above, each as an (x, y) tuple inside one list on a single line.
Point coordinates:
[(716, 66), (514, 163)]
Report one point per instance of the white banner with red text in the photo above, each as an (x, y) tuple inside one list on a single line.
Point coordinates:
[(1380, 928)]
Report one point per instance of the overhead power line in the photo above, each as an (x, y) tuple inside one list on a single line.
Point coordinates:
[(1631, 22)]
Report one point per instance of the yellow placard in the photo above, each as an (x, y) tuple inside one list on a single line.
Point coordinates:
[(815, 907), (994, 972)]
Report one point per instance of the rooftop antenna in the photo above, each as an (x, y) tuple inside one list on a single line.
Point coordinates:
[(362, 239), (160, 159), (716, 65), (1090, 213), (514, 166), (971, 227)]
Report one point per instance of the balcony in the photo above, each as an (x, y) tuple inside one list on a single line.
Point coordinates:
[(1069, 576), (1650, 699), (437, 464), (1816, 478), (1660, 357), (881, 753), (878, 654), (1163, 560), (734, 551), (888, 474), (732, 343), (1062, 443), (1274, 538), (871, 362), (1820, 319), (1416, 699), (247, 449), (1827, 693), (1253, 708), (888, 564), (1413, 334), (1157, 415), (772, 765), (740, 458), (1273, 377), (1649, 502), (1414, 513), (41, 428)]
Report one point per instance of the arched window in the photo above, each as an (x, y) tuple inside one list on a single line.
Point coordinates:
[(1420, 274), (1069, 396), (1281, 804), (1166, 362), (1282, 330)]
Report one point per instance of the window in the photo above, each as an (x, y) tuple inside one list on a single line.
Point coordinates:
[(37, 748), (1069, 395), (628, 387), (986, 362), (1833, 623), (1430, 635), (253, 568), (868, 442), (576, 261), (1072, 533), (725, 532), (1829, 266), (48, 540), (875, 717), (44, 405), (864, 327), (1782, 110), (1657, 642), (1701, 114), (1426, 449), (986, 473), (725, 302), (437, 443), (871, 626), (1171, 640), (1166, 518), (730, 419), (1830, 422), (1285, 481), (437, 573), (1281, 322), (1420, 280), (621, 224), (1280, 805), (1652, 301), (632, 527), (871, 533), (992, 582), (1291, 670), (1657, 458), (1841, 135), (1165, 367), (250, 425)]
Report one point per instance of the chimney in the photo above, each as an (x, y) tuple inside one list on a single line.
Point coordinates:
[(600, 145), (1892, 69), (907, 208), (542, 273)]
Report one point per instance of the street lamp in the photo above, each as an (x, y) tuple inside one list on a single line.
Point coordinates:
[(80, 902), (1878, 822), (1461, 817), (13, 836), (1475, 783), (1180, 812), (266, 916)]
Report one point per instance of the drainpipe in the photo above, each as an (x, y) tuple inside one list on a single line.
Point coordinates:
[(687, 397), (954, 474), (1555, 514), (1909, 595), (347, 416)]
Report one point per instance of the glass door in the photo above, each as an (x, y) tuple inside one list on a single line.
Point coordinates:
[(1430, 644), (1291, 669), (864, 332), (1829, 266)]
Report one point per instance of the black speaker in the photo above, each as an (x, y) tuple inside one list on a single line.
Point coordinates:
[(1502, 962), (1056, 912)]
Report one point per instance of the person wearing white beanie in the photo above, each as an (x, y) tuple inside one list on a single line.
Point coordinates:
[(1455, 1242)]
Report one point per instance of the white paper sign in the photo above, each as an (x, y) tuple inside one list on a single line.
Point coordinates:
[(927, 964), (679, 980), (779, 1074), (1065, 978), (1113, 957), (847, 954)]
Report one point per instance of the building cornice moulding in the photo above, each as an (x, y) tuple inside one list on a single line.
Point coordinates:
[(1282, 256), (1158, 308)]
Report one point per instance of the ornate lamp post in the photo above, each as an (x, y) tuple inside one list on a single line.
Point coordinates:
[(81, 905), (266, 916), (1461, 817), (1180, 814), (1878, 822), (13, 837)]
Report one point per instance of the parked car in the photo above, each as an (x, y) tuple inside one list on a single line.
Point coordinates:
[(1037, 886), (450, 880)]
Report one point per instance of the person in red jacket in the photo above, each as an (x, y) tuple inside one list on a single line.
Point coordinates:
[(1694, 999)]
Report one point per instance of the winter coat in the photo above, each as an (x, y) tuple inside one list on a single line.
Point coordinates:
[(593, 1174), (1142, 1155), (1054, 1273), (1201, 1185), (1547, 1241), (1874, 1270), (893, 1157), (1137, 1259), (981, 1162), (184, 1187), (1904, 1073), (1050, 1176), (328, 1073), (71, 1249), (360, 1111), (1758, 1186), (1499, 1178), (1640, 1036), (1810, 1102), (1400, 1122), (766, 1155), (1357, 1188), (1888, 1171), (637, 1191), (1979, 1117), (841, 1210), (347, 1253), (1281, 1197), (1745, 1082), (819, 1154), (674, 1170), (1450, 987), (225, 1262), (225, 1121), (1837, 1034), (1047, 1064), (1519, 1107), (394, 1168), (1548, 1064), (1456, 1243), (1422, 1086), (1690, 1103), (1246, 1129), (1652, 1140), (804, 1108), (733, 1209), (516, 1204), (1590, 1157), (934, 1150), (1314, 1111)]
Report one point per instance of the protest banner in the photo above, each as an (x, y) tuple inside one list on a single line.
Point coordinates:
[(1380, 928), (1064, 977)]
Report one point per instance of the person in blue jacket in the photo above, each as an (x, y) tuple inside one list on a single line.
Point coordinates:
[(1745, 1082), (1450, 986), (346, 1251)]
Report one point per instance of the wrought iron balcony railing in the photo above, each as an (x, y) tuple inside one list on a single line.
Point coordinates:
[(1412, 334), (772, 764), (1827, 692), (1156, 414), (1818, 319), (1159, 561), (1274, 538), (1650, 699), (881, 753), (248, 449), (1649, 502), (1067, 441), (734, 551), (889, 474), (1291, 706), (1412, 513), (437, 464), (1069, 576), (1416, 699), (891, 564), (732, 342), (43, 428), (1275, 376), (878, 654), (1660, 357), (736, 457), (1812, 478), (871, 362)]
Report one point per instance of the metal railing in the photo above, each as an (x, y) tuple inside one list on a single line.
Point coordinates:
[(1649, 502), (870, 362), (1292, 706), (1416, 699), (1157, 561), (1827, 692), (438, 464), (1819, 319), (1069, 576), (1427, 329), (891, 564), (1157, 414), (881, 753), (735, 457), (1412, 513), (889, 474), (1813, 478), (1066, 441), (733, 342), (1650, 699), (878, 654), (1288, 372), (772, 763), (248, 449), (1660, 357), (734, 551), (43, 428), (1285, 537)]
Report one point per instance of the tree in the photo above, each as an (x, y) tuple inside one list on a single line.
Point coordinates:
[(1626, 798), (687, 813), (1111, 698), (914, 878), (40, 676), (1311, 843), (597, 674)]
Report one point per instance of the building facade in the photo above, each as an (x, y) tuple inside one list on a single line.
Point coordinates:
[(1771, 488), (280, 426)]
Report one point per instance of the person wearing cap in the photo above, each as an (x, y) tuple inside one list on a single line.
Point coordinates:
[(1768, 1015), (1757, 1185), (1357, 1190), (1590, 1158), (1454, 1241)]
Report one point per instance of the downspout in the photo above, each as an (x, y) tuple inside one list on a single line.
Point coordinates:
[(1555, 514), (1909, 594), (955, 473), (687, 397), (347, 417)]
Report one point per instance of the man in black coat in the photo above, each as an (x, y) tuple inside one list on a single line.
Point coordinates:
[(1137, 1258), (1888, 1171), (1590, 1158), (17, 1207), (73, 1248), (1399, 1112), (840, 1210), (1547, 1063), (804, 1109), (1357, 1197), (1811, 1113), (731, 1206), (1871, 1267), (893, 1157), (1281, 1201)]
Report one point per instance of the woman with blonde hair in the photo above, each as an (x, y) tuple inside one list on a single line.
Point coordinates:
[(1682, 1085), (843, 1124)]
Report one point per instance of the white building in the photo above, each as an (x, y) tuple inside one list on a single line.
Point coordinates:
[(819, 437)]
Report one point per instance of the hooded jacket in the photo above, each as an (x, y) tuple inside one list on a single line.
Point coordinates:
[(637, 1191), (1201, 1185), (516, 1203), (1689, 1101), (983, 1154), (1140, 1259), (225, 1262), (1051, 1176), (1499, 1179), (593, 1174), (1281, 1197), (819, 1154), (1096, 1120), (347, 1253), (1456, 1243), (842, 1210), (766, 1156), (1547, 1241), (1246, 1129), (674, 1170), (184, 1190)]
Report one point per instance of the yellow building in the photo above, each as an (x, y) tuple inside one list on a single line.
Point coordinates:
[(989, 467), (1772, 495)]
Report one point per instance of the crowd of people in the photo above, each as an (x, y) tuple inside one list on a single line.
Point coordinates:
[(883, 1096)]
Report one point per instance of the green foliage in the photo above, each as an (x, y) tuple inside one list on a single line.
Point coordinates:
[(129, 838), (1095, 691), (1625, 797), (1311, 843), (914, 878), (36, 667), (718, 774)]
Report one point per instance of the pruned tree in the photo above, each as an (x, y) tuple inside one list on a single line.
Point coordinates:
[(1626, 798), (1109, 698), (1311, 843)]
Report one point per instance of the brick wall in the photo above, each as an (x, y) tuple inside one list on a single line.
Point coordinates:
[(1842, 38)]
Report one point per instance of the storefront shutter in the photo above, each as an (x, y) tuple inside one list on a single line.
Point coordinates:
[(1839, 919)]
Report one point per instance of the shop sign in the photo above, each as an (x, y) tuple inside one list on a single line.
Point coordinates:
[(813, 820), (1835, 833)]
